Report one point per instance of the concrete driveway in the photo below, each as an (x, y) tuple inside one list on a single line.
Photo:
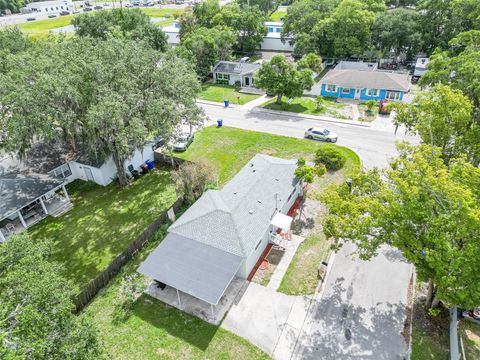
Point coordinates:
[(270, 320), (362, 312)]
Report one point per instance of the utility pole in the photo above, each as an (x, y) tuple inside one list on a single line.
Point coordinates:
[(454, 354)]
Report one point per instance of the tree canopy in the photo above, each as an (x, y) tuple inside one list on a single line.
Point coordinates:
[(109, 95), (280, 77), (36, 308), (443, 118), (204, 47), (126, 23), (428, 210)]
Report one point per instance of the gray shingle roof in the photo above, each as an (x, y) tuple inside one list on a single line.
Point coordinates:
[(367, 79), (235, 218), (234, 67), (17, 190)]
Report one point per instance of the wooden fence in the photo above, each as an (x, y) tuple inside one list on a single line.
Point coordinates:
[(92, 289)]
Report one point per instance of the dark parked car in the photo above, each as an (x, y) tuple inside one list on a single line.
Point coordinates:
[(182, 142), (51, 16), (98, 7), (87, 9), (64, 13), (31, 19)]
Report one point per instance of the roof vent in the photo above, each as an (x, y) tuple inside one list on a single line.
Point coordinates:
[(253, 170), (250, 212), (259, 200), (235, 192), (277, 179), (251, 164)]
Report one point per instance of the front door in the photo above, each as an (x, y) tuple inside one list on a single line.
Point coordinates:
[(357, 93), (88, 173), (247, 81)]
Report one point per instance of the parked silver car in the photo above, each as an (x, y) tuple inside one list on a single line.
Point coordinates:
[(321, 134), (182, 142)]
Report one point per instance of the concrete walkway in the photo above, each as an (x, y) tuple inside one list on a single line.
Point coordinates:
[(254, 103), (268, 319), (291, 247)]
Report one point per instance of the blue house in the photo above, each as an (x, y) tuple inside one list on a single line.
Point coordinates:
[(362, 81)]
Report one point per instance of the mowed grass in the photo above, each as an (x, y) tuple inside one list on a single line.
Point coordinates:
[(425, 347), (278, 15), (104, 221), (229, 149), (307, 105), (219, 93), (153, 330), (164, 12)]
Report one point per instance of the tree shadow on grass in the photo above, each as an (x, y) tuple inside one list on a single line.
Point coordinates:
[(190, 329)]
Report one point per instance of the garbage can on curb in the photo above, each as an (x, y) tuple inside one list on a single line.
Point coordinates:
[(226, 103), (219, 123)]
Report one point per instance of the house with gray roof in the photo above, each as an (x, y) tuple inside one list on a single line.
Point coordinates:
[(231, 72), (224, 233), (363, 81)]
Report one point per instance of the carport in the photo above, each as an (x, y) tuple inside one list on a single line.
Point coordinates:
[(191, 267)]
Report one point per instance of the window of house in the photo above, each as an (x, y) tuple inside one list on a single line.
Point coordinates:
[(256, 247), (331, 88), (226, 77), (278, 30), (345, 90), (61, 172), (373, 92), (219, 76), (270, 29), (393, 95)]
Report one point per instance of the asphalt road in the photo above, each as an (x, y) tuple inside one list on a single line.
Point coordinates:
[(374, 145)]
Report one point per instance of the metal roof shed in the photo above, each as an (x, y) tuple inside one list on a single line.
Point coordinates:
[(195, 268)]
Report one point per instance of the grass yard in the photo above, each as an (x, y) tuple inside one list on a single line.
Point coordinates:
[(162, 12), (218, 93), (41, 28), (229, 149), (470, 333), (278, 15), (424, 347), (103, 221), (307, 105), (156, 330)]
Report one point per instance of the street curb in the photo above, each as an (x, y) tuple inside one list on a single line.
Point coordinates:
[(311, 117), (206, 102)]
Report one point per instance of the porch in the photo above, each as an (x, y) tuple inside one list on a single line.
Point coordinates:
[(52, 203)]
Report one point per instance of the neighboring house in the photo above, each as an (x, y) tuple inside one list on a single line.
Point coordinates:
[(230, 72), (27, 198), (420, 67), (225, 232), (363, 81), (50, 7), (271, 42)]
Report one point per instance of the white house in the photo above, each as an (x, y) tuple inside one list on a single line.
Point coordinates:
[(271, 42), (224, 233), (420, 67), (50, 7), (231, 72)]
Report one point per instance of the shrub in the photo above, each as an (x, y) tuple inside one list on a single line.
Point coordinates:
[(330, 157)]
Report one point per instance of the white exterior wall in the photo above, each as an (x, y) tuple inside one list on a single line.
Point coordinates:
[(250, 261), (172, 33), (233, 78), (50, 7), (275, 44)]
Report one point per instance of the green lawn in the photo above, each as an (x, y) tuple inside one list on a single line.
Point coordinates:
[(470, 333), (307, 105), (425, 347), (41, 28), (104, 221), (160, 12), (153, 330), (229, 149), (218, 93), (278, 15)]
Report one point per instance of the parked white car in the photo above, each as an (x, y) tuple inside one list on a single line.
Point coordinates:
[(321, 134)]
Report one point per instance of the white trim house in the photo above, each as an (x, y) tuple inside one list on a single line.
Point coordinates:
[(224, 233), (231, 72)]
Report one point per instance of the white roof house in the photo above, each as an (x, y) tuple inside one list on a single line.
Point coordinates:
[(50, 7), (223, 234)]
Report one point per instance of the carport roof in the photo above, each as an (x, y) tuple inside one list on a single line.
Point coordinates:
[(195, 268)]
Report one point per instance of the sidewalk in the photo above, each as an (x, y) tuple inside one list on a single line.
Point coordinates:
[(254, 103), (312, 117), (291, 247)]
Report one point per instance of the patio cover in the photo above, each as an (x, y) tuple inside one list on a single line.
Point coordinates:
[(197, 269), (281, 221)]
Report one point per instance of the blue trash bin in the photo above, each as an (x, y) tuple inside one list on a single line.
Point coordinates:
[(149, 164), (226, 102), (219, 122)]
